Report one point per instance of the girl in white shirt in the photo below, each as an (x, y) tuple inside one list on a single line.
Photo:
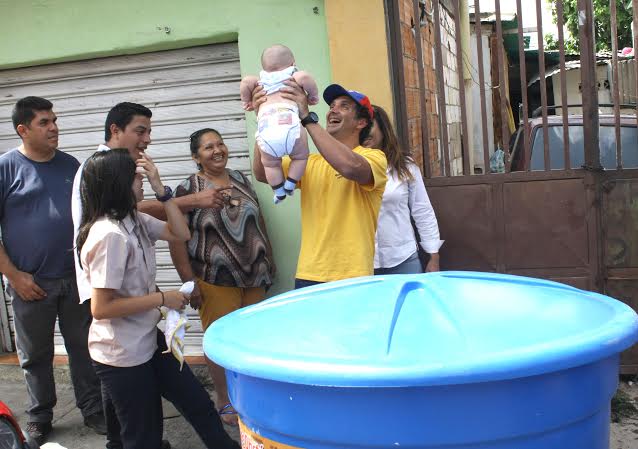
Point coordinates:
[(404, 198), (116, 245)]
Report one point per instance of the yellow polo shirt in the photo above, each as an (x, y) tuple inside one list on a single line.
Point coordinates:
[(338, 219)]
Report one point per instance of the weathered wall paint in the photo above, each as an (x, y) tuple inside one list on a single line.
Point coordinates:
[(359, 53), (40, 32)]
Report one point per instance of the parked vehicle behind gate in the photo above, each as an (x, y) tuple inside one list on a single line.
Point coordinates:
[(607, 133)]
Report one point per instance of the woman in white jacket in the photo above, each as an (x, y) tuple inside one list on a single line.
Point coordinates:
[(404, 199)]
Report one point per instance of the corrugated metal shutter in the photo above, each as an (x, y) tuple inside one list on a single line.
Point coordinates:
[(186, 89)]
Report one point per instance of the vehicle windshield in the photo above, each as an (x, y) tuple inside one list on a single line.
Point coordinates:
[(628, 142)]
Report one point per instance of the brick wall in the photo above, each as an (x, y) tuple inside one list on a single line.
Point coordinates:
[(413, 91)]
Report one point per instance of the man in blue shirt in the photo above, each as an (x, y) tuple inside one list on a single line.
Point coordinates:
[(36, 257)]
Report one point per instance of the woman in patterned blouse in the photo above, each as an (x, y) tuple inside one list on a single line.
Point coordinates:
[(229, 253)]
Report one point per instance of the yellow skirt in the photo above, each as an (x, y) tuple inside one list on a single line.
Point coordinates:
[(218, 301)]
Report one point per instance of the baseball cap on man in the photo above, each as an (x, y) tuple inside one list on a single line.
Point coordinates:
[(334, 90)]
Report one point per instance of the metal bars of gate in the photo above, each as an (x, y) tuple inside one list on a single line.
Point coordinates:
[(589, 90), (560, 19), (460, 67), (523, 75), (503, 107), (479, 52), (634, 4), (614, 77), (425, 134), (543, 83), (398, 80), (440, 87), (588, 84)]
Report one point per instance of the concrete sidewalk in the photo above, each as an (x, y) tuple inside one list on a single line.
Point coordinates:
[(68, 427)]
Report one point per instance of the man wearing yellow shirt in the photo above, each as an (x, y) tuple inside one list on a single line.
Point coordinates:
[(341, 189)]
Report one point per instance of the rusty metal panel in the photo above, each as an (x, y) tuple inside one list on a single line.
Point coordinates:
[(579, 278), (545, 224), (620, 223), (538, 226), (467, 225), (582, 282)]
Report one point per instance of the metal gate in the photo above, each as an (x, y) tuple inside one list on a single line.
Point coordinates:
[(573, 221)]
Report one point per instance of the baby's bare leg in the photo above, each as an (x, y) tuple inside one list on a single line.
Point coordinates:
[(272, 167), (274, 176), (298, 162)]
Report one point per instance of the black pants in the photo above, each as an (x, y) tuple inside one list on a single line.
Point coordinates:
[(136, 392)]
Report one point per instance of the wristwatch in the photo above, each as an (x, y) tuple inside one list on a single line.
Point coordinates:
[(168, 194), (310, 118)]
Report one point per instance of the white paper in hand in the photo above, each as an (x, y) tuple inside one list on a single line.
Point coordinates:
[(176, 325), (187, 287)]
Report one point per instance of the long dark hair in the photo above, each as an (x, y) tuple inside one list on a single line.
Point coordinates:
[(106, 189), (398, 159), (362, 112)]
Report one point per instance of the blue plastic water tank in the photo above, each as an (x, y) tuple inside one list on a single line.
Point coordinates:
[(442, 360)]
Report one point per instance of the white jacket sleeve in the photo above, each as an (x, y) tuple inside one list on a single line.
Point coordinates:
[(423, 213)]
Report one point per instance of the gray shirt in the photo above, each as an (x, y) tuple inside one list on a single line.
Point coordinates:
[(35, 213)]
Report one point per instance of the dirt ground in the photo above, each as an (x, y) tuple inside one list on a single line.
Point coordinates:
[(624, 433)]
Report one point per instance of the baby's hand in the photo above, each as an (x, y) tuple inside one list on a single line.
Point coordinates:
[(313, 99), (247, 105)]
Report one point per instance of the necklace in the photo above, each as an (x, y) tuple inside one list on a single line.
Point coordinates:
[(216, 180)]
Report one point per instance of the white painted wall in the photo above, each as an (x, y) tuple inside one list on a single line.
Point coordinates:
[(476, 136), (572, 79)]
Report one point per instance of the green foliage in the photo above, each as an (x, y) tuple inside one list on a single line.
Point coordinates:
[(602, 23), (551, 43)]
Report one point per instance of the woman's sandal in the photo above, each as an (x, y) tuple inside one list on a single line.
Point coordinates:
[(228, 415)]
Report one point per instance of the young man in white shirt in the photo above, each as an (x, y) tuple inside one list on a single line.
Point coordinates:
[(128, 125)]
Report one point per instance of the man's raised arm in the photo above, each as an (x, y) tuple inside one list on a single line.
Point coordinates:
[(339, 155)]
